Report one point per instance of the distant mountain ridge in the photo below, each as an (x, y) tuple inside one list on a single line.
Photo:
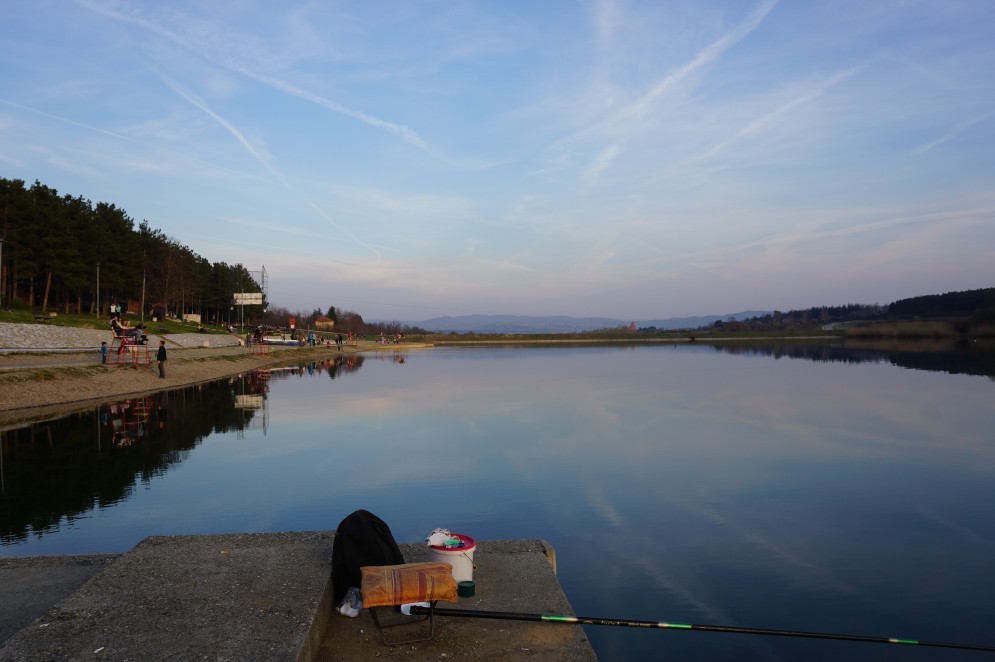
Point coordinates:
[(563, 324)]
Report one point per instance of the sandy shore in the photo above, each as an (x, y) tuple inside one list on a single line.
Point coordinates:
[(40, 386)]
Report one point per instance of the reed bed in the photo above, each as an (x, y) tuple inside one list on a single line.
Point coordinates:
[(903, 330)]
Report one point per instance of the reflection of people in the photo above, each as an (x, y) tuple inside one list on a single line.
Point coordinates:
[(161, 405), (160, 356)]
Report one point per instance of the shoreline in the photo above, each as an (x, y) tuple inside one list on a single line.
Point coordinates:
[(34, 387)]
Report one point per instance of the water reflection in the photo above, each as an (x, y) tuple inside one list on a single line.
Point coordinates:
[(965, 357), (838, 492), (333, 367), (55, 471)]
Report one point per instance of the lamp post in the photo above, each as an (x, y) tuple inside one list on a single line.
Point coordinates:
[(98, 289), (1, 269)]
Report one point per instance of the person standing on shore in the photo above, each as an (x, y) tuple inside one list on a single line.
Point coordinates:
[(160, 356), (103, 353)]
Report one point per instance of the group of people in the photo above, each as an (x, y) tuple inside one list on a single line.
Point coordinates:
[(136, 336), (121, 327)]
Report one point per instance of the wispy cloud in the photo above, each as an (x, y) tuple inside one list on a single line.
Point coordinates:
[(606, 21), (407, 207), (272, 227), (633, 155), (785, 252)]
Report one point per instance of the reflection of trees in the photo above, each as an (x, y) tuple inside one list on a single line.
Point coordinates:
[(959, 358), (65, 467), (58, 470)]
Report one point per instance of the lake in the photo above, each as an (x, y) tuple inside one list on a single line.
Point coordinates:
[(792, 486)]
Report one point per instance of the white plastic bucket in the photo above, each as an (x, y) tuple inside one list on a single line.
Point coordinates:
[(460, 558)]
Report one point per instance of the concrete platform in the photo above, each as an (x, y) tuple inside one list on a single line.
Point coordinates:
[(261, 597), (227, 597), (31, 586), (510, 575)]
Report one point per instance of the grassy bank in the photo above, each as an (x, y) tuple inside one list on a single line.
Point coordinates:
[(920, 331)]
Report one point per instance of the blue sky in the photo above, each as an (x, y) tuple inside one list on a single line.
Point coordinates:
[(637, 160)]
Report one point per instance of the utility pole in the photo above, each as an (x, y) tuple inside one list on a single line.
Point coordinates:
[(144, 269), (241, 308), (98, 289), (1, 269)]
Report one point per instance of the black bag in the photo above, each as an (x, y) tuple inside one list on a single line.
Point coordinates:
[(361, 539)]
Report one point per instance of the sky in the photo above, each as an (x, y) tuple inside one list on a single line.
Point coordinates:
[(632, 159)]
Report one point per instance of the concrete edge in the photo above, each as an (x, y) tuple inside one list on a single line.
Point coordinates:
[(319, 626), (70, 575)]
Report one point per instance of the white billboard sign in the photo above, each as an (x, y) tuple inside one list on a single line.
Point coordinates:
[(248, 298)]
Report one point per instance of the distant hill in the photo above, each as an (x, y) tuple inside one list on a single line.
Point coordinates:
[(562, 324), (972, 307), (515, 324)]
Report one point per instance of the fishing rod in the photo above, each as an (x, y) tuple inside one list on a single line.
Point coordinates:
[(585, 620)]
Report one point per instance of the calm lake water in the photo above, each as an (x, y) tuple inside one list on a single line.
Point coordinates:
[(789, 487)]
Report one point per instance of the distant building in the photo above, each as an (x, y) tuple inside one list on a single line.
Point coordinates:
[(324, 323), (632, 326)]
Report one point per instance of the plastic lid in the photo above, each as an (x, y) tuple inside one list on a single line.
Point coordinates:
[(468, 543)]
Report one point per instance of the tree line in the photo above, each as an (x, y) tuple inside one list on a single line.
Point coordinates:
[(965, 310), (976, 305), (64, 253)]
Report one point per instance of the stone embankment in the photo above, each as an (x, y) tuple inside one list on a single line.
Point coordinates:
[(49, 337)]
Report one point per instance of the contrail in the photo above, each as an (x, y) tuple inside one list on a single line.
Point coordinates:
[(64, 120), (706, 56), (400, 130), (954, 131), (783, 109), (193, 99), (196, 101)]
